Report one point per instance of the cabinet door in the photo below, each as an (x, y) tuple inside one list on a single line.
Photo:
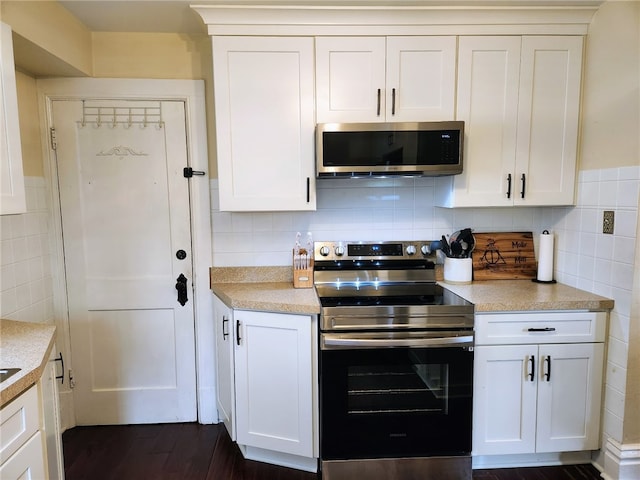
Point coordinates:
[(264, 102), (504, 399), (273, 357), (27, 463), (12, 193), (488, 77), (569, 396), (223, 317), (350, 77), (421, 79), (51, 417), (548, 114)]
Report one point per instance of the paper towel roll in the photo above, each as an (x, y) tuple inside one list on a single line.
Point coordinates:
[(545, 257)]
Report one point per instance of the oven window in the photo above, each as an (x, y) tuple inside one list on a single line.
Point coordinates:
[(417, 388), (395, 402)]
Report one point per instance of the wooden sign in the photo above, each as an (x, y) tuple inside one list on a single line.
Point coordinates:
[(504, 255)]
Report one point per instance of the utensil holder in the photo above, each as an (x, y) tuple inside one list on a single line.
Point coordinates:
[(303, 277), (458, 270)]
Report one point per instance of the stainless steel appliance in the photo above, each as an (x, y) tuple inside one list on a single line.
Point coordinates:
[(396, 364), (382, 149)]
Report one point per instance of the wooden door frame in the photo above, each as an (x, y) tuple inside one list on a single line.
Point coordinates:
[(192, 92)]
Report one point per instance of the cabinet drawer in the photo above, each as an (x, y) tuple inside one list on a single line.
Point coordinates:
[(540, 327), (19, 420)]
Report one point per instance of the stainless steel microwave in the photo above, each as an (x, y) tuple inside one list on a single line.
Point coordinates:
[(384, 149)]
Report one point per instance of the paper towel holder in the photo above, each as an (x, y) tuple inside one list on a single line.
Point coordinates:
[(535, 280)]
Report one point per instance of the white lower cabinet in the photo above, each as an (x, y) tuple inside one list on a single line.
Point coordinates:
[(22, 448), (224, 365), (538, 396), (266, 393)]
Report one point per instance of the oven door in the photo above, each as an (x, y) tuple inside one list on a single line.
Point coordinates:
[(383, 399)]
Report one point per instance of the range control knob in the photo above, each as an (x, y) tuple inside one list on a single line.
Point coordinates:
[(324, 251), (425, 249), (411, 250), (339, 251)]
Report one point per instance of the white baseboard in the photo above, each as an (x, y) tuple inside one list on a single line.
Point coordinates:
[(530, 460), (621, 461), (306, 464)]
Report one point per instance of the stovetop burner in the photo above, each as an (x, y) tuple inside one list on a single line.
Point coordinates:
[(372, 301)]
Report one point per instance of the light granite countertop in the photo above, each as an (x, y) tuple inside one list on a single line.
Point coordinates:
[(26, 346), (268, 289), (517, 295), (271, 289)]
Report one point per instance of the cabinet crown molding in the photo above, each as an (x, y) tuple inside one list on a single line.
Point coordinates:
[(408, 18)]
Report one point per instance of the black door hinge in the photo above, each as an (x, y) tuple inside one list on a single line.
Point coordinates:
[(189, 172)]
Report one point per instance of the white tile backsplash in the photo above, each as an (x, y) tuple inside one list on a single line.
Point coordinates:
[(604, 264), (362, 209), (26, 289)]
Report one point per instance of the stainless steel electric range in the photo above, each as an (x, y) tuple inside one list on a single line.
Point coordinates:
[(396, 364)]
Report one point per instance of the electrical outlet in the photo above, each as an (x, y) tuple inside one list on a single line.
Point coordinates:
[(608, 218)]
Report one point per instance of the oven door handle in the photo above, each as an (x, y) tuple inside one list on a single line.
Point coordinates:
[(340, 341)]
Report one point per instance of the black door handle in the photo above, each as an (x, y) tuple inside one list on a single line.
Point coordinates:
[(225, 334), (547, 374), (181, 286), (532, 372), (61, 360)]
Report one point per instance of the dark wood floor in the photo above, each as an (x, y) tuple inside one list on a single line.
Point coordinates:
[(188, 451)]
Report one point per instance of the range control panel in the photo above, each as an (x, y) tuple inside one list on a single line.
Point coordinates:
[(401, 250)]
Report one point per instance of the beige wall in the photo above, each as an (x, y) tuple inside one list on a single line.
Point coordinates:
[(611, 93), (29, 125), (159, 55), (48, 28)]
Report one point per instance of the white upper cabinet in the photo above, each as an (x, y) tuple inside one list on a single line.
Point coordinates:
[(264, 106), (519, 98), (385, 79), (12, 193), (548, 117)]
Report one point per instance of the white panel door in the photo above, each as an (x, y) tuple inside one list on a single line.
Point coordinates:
[(488, 77), (548, 114), (274, 407), (125, 214), (421, 79), (350, 79), (504, 399), (569, 397)]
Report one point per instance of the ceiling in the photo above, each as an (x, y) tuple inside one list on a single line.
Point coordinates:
[(176, 16)]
